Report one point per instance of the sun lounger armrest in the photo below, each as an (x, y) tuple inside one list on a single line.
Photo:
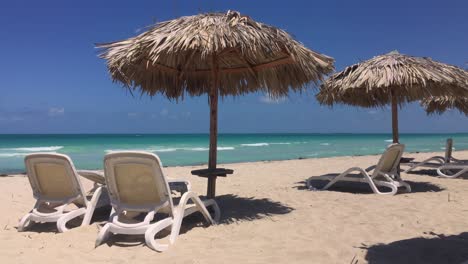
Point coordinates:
[(94, 176), (370, 168), (179, 185), (459, 161)]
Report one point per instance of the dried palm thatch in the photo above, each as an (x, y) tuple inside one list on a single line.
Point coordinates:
[(370, 83), (393, 79), (179, 56), (440, 104), (216, 54)]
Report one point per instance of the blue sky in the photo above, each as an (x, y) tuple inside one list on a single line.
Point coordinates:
[(53, 82)]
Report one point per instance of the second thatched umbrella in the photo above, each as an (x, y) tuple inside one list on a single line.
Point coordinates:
[(393, 79), (214, 54), (440, 104)]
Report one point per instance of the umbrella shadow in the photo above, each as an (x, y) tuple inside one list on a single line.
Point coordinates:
[(363, 188), (438, 249), (233, 208), (424, 172)]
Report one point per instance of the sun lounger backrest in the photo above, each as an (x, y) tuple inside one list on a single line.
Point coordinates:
[(135, 180), (52, 177), (448, 150), (390, 158)]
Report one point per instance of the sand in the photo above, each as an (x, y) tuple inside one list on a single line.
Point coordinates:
[(269, 217)]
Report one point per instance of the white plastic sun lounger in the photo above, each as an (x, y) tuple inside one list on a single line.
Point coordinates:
[(385, 173), (452, 170), (56, 185), (137, 186), (438, 161)]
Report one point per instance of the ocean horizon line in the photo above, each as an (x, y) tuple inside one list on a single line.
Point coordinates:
[(241, 133)]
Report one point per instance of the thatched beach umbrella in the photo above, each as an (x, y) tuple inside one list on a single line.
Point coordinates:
[(440, 104), (215, 54), (393, 79)]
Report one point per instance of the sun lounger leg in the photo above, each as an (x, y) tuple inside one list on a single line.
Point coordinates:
[(103, 235), (91, 206), (155, 229), (180, 213), (393, 188), (24, 222), (62, 221)]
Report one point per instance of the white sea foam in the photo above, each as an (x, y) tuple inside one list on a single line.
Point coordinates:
[(206, 149), (300, 142), (226, 148), (389, 140), (197, 149), (8, 155), (35, 149), (165, 150), (159, 150), (120, 150), (255, 145), (325, 144)]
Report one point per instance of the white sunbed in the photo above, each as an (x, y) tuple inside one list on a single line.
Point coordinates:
[(385, 173), (452, 170), (445, 165), (56, 186), (437, 161), (137, 186)]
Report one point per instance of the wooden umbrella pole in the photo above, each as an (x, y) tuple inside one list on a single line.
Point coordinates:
[(213, 129), (396, 138), (394, 117)]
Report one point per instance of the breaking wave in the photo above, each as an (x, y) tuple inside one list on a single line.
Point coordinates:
[(35, 149)]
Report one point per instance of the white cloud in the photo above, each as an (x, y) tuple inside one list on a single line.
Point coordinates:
[(56, 111), (164, 112), (17, 118), (132, 114), (187, 114), (268, 99)]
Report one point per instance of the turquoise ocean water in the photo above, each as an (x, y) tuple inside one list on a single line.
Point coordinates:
[(87, 151)]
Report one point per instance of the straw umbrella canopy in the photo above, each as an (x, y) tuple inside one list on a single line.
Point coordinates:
[(440, 104), (218, 54), (393, 79)]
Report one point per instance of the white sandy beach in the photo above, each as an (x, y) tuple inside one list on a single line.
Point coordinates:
[(269, 217)]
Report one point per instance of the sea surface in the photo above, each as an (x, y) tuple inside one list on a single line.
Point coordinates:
[(87, 150)]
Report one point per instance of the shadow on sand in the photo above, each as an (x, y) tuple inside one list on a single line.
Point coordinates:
[(364, 188), (439, 249), (233, 209)]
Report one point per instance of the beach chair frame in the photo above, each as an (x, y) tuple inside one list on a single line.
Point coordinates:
[(452, 170), (385, 173), (436, 162), (56, 185), (160, 202)]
